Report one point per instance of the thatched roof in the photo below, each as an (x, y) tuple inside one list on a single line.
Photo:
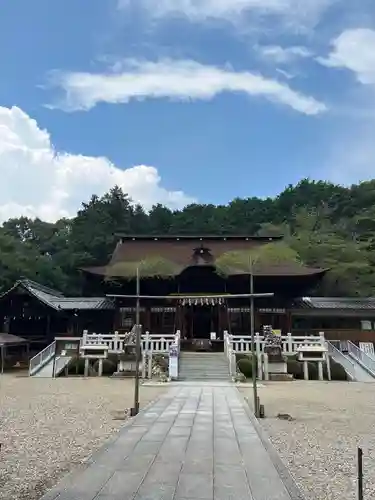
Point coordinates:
[(169, 256)]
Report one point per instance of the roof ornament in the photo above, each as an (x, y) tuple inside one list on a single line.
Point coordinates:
[(202, 255)]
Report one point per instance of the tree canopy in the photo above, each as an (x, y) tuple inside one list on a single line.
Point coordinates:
[(324, 225)]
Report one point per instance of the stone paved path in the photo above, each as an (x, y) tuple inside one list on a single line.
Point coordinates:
[(195, 442)]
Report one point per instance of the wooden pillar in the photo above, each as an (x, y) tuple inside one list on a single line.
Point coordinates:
[(179, 319), (48, 326), (116, 317), (288, 322), (147, 319), (2, 348), (220, 325)]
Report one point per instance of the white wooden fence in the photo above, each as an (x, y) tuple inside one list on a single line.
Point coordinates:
[(241, 344), (117, 342)]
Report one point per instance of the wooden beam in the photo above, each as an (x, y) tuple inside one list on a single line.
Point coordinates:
[(192, 297)]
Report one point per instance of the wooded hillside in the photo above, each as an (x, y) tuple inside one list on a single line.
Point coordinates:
[(327, 225)]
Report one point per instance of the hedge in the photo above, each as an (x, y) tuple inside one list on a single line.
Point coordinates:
[(245, 365), (295, 368)]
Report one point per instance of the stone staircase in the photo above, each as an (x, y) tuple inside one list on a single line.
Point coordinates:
[(203, 366)]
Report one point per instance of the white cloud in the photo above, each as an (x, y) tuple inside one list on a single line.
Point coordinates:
[(178, 80), (281, 55), (296, 13), (352, 157), (38, 181), (354, 50)]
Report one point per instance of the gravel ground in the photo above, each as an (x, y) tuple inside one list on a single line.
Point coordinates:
[(49, 427), (331, 420)]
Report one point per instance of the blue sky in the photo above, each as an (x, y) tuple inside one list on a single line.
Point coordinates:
[(180, 101)]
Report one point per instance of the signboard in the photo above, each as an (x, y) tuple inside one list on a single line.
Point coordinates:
[(213, 335), (173, 361), (277, 333), (368, 348)]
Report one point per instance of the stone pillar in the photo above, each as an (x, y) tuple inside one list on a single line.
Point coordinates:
[(100, 368), (305, 370), (86, 372), (233, 365), (150, 364), (144, 362), (257, 344), (328, 362), (320, 370), (290, 343), (260, 366), (266, 367)]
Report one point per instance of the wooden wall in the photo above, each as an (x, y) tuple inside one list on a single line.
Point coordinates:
[(341, 334)]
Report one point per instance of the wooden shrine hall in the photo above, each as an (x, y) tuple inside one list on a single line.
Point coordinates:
[(210, 268)]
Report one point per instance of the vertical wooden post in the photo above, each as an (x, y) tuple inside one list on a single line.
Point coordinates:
[(137, 349), (288, 322), (220, 328), (148, 318), (48, 327), (360, 473)]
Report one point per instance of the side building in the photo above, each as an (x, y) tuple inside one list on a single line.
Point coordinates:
[(39, 314)]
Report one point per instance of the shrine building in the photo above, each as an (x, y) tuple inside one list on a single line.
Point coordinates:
[(173, 267)]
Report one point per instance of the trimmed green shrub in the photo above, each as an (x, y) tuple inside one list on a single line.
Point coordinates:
[(245, 366), (313, 371), (109, 367), (337, 371), (295, 368), (242, 356), (76, 367)]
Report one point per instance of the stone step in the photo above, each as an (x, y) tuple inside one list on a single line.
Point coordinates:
[(203, 366), (202, 355), (213, 372), (204, 374)]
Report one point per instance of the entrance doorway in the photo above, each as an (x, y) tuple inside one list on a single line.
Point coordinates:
[(200, 321)]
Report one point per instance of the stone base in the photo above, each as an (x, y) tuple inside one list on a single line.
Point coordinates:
[(277, 367), (127, 374), (280, 377)]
